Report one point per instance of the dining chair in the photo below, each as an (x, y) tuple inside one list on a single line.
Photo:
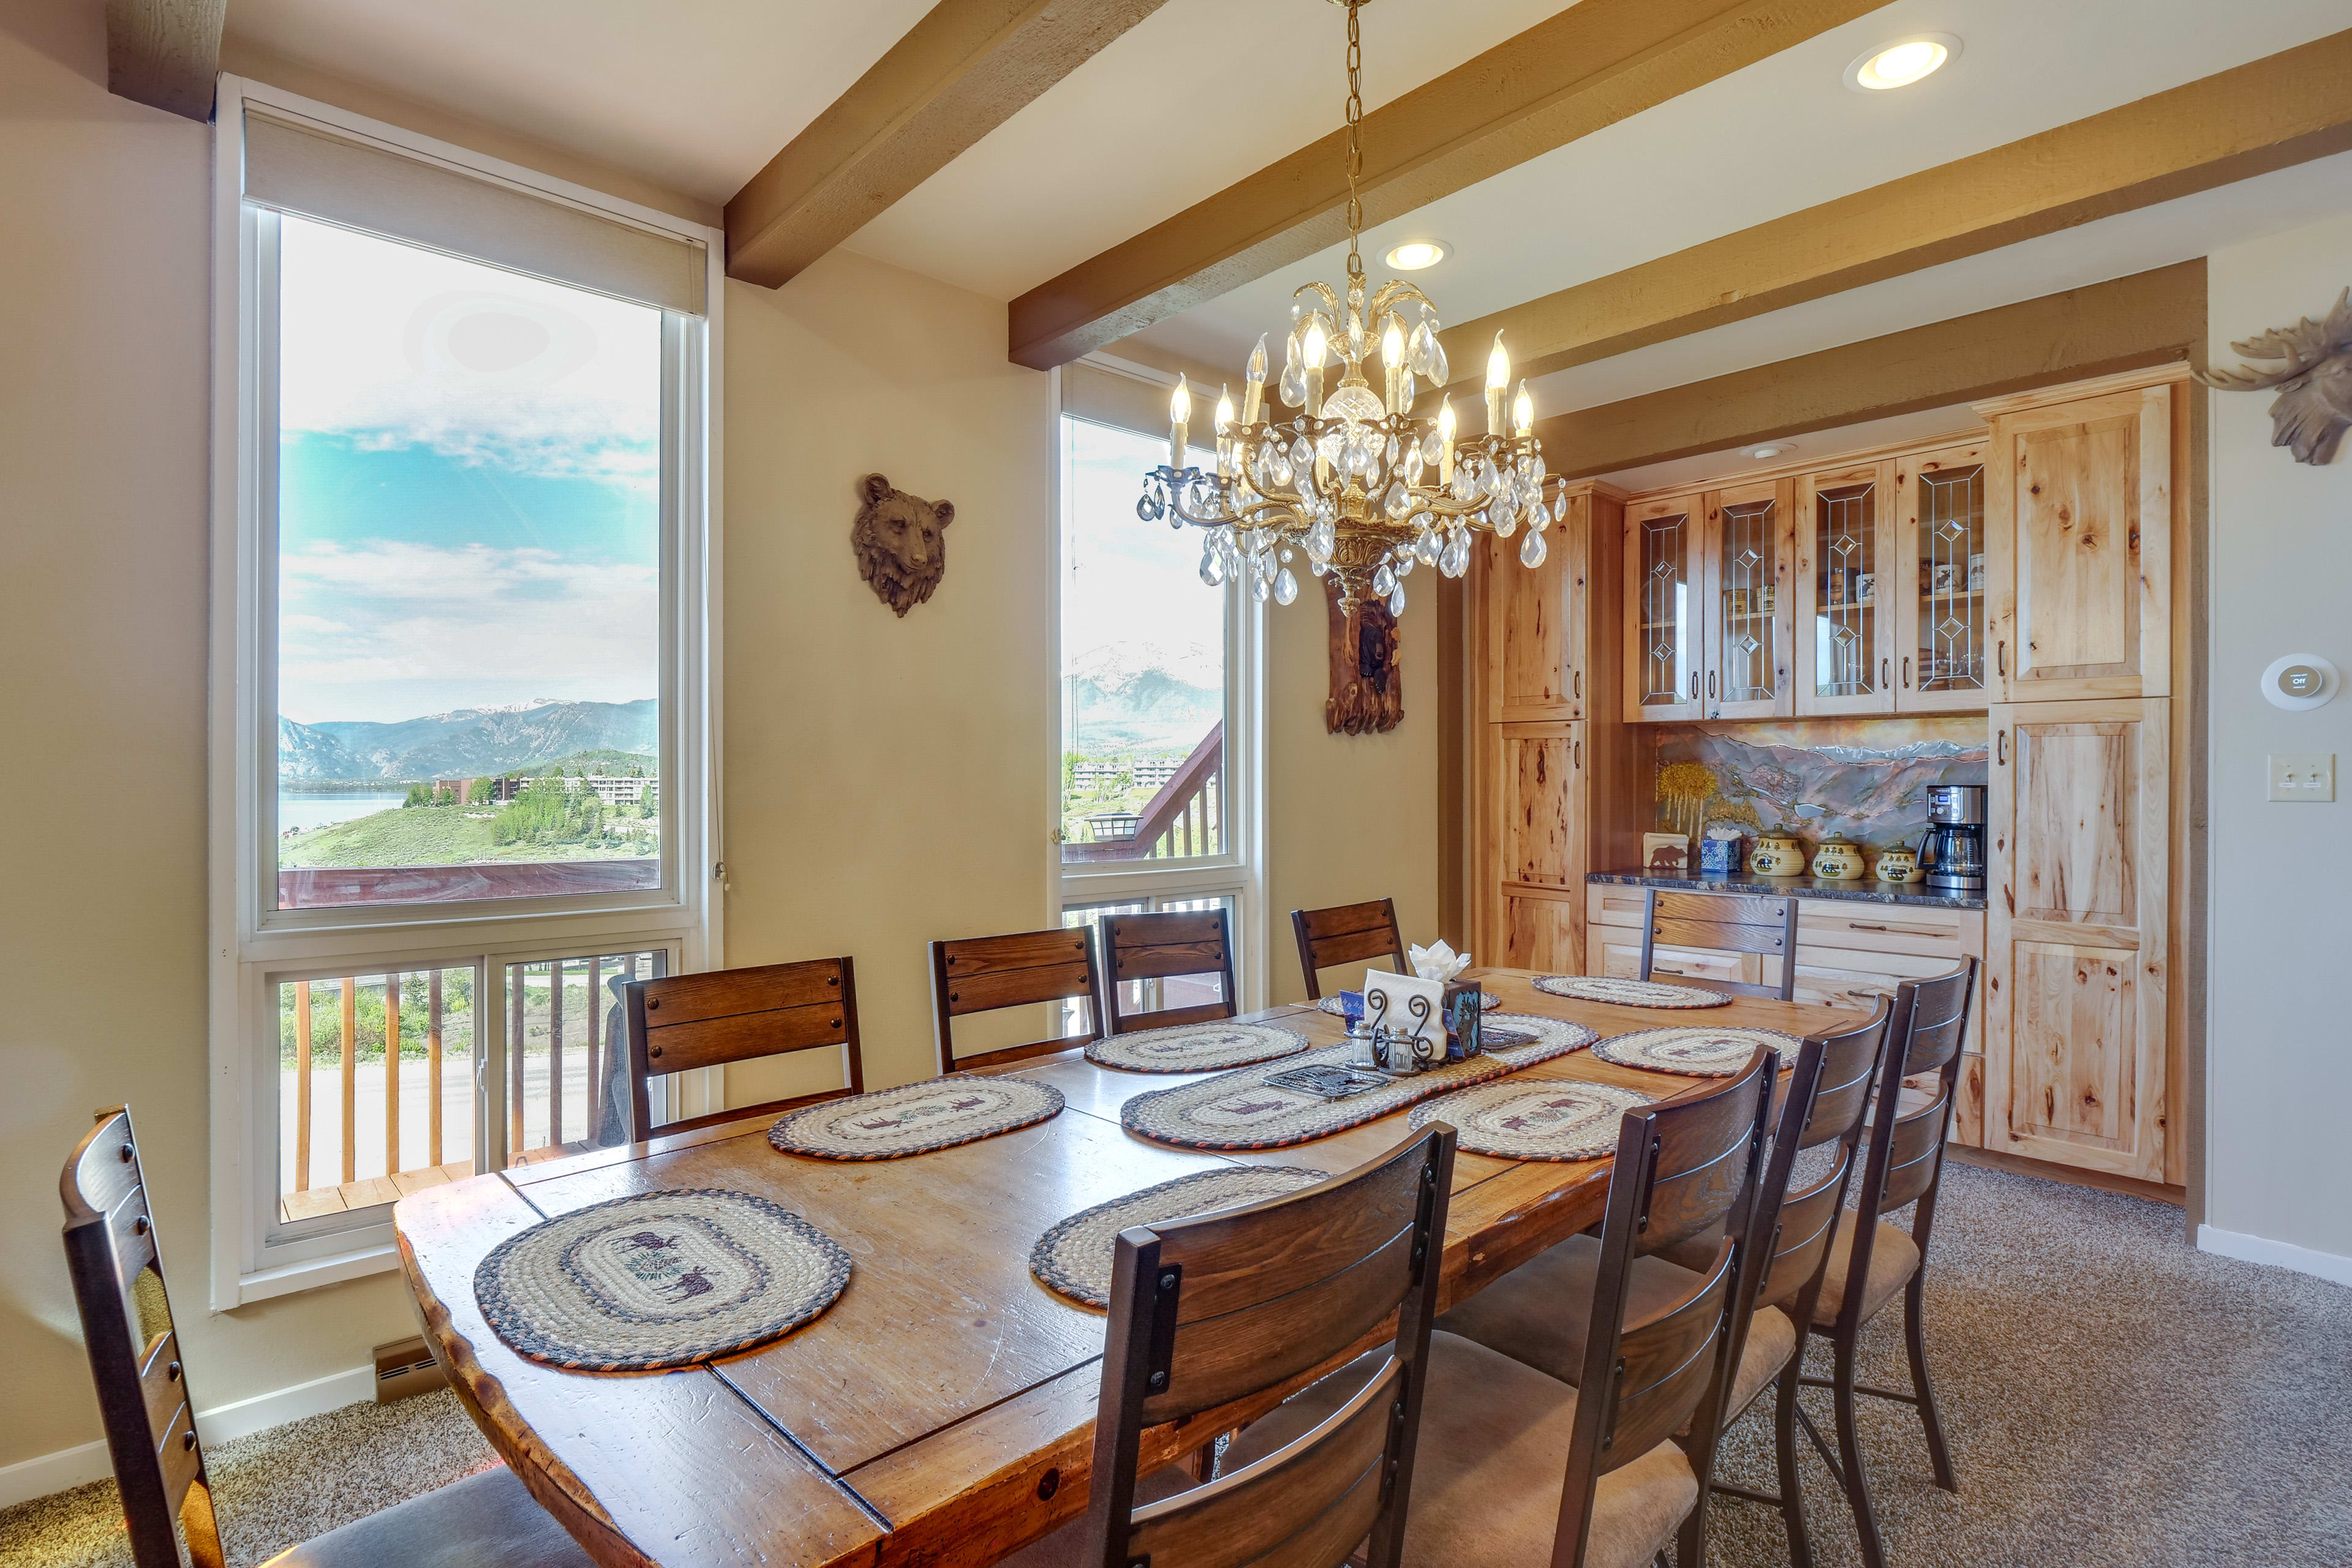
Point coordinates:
[(1537, 1313), (1871, 1259), (686, 1021), (982, 974), (1209, 1310), (1516, 1468), (1346, 933), (1767, 926), (117, 1267), (1167, 946)]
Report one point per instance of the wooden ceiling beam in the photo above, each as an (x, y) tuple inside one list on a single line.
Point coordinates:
[(1597, 62), (2122, 324), (961, 71), (166, 53), (2288, 109)]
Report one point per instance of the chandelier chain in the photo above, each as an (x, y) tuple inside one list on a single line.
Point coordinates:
[(1355, 138)]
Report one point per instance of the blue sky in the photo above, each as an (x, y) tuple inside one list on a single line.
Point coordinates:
[(468, 513)]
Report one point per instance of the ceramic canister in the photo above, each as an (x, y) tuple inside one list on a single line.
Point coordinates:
[(1900, 864), (1777, 855), (1838, 860)]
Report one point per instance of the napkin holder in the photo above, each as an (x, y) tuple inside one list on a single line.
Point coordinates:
[(1402, 1027)]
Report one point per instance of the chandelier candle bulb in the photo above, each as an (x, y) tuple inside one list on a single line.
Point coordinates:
[(1312, 346), (1522, 413), (1498, 385), (1254, 383), (1179, 416), (1393, 357)]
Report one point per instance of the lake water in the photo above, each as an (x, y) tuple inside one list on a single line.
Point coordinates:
[(307, 809)]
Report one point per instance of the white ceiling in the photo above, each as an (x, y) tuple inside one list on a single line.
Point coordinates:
[(696, 95), (1782, 135)]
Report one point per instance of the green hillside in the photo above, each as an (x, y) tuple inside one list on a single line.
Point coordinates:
[(454, 836)]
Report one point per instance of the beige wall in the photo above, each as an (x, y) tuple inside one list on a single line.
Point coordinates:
[(888, 780), (103, 346), (2280, 1058)]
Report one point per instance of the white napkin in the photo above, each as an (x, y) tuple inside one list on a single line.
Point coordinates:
[(1438, 962)]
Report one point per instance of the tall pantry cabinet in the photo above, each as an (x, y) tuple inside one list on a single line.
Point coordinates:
[(2082, 1059)]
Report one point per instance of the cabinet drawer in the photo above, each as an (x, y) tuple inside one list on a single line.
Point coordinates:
[(1855, 981), (1624, 959), (1608, 904), (1891, 927)]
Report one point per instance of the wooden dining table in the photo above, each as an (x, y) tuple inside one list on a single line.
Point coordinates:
[(941, 1412)]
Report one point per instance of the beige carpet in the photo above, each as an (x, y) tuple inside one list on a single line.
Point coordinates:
[(2113, 1397)]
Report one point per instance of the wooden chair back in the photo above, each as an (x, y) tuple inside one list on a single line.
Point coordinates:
[(1346, 933), (687, 1021), (1165, 946), (982, 974), (1207, 1311), (1761, 925), (1685, 1167), (1829, 1099), (1905, 1159), (135, 1356)]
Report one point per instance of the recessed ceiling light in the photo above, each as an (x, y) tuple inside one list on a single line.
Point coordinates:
[(1772, 450), (1902, 62), (1415, 253)]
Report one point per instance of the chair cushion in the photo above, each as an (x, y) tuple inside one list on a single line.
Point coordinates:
[(485, 1519), (1490, 1462), (1771, 1341), (1539, 1311), (1893, 1257)]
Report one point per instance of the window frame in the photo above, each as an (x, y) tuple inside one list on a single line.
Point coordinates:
[(1238, 872), (253, 944)]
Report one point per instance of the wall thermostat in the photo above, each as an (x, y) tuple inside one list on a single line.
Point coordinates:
[(2298, 680)]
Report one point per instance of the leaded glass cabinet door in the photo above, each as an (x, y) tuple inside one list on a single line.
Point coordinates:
[(1749, 673), (1845, 624), (1942, 661), (1665, 573)]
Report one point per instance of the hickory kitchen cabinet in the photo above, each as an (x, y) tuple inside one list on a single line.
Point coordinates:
[(1709, 615)]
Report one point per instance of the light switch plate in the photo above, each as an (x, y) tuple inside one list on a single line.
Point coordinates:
[(2304, 776)]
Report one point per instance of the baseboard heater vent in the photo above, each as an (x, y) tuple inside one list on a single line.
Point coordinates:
[(405, 1367)]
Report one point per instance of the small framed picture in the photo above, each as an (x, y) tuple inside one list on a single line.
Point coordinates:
[(1865, 588), (1948, 577)]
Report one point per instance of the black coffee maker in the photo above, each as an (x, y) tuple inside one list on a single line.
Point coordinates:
[(1953, 857)]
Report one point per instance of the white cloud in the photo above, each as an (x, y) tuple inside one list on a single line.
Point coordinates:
[(394, 612), (389, 346)]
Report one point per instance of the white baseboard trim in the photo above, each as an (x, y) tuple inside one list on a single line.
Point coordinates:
[(2278, 1254), (75, 1467), (60, 1471)]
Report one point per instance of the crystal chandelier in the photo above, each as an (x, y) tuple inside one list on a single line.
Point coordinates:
[(1355, 482)]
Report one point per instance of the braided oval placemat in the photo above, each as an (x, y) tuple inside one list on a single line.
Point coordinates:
[(1241, 1110), (1196, 1048), (1629, 993), (1075, 1257), (1692, 1051), (1522, 1121), (658, 1279), (1334, 1005), (915, 1118)]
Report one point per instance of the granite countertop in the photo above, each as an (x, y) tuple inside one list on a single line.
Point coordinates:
[(1865, 891)]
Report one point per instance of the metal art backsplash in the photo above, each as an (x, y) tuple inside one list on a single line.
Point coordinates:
[(1865, 779)]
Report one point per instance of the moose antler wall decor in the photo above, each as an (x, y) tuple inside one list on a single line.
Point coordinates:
[(2314, 388)]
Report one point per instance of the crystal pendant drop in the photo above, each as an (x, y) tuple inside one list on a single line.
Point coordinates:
[(1437, 367), (1293, 387), (1317, 567), (1412, 464), (1399, 504), (1278, 470), (1409, 391), (1302, 454), (1396, 601), (1258, 589), (1213, 568), (1503, 510), (1403, 564), (1285, 588), (1322, 539), (1383, 581), (1532, 549), (1425, 548), (1454, 559), (1418, 346), (1490, 480), (1430, 447), (1503, 526), (1392, 453), (1560, 508)]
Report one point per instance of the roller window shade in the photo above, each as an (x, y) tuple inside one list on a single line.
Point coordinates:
[(306, 169), (1108, 397)]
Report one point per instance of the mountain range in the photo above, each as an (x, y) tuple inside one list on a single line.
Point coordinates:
[(469, 743), (1142, 695)]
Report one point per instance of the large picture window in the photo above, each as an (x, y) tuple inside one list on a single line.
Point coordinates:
[(463, 734), (1159, 705)]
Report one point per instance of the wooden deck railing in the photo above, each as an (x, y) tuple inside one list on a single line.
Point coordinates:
[(1185, 818)]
